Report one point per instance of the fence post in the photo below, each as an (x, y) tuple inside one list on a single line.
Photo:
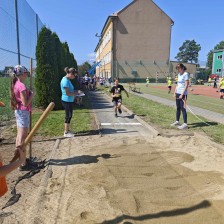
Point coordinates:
[(17, 31), (31, 88)]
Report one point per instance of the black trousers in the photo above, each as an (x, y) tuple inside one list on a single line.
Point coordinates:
[(68, 106), (181, 107)]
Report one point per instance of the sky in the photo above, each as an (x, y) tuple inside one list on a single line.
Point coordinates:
[(77, 22)]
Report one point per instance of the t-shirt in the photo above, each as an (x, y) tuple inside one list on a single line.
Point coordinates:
[(117, 90), (169, 82), (66, 83), (221, 84), (3, 185), (18, 88), (181, 83)]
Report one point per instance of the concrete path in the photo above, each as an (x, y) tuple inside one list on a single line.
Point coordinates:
[(125, 124), (211, 116)]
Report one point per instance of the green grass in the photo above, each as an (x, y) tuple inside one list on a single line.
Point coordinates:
[(53, 126), (161, 116), (203, 102)]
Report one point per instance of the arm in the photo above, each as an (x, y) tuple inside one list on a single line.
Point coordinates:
[(26, 100), (185, 88), (68, 93), (126, 93), (4, 170)]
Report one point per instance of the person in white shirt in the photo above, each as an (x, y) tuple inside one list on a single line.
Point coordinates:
[(180, 95)]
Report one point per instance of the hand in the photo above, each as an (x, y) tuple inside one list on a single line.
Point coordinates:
[(181, 96), (22, 154)]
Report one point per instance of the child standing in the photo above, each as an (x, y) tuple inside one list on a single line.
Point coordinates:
[(20, 100), (169, 84)]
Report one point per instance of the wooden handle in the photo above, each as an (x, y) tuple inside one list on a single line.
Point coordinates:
[(38, 124)]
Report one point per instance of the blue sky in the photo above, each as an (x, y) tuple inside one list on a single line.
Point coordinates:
[(77, 22)]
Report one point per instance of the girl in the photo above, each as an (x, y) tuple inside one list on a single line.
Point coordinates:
[(67, 98), (20, 100), (180, 94)]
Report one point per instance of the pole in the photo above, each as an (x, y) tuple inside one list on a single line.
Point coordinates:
[(31, 88), (38, 124), (17, 30)]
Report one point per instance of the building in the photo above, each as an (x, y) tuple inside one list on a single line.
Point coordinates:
[(135, 43), (191, 68), (218, 62)]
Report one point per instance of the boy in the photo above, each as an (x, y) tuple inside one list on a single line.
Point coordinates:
[(116, 96)]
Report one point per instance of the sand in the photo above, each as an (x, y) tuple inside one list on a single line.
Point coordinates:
[(113, 179)]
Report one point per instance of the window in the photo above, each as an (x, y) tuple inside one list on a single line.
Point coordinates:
[(219, 57), (218, 70)]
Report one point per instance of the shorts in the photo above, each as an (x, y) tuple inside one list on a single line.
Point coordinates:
[(221, 90), (115, 102), (22, 118)]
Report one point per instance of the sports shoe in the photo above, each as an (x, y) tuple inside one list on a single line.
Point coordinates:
[(71, 132), (115, 115), (176, 123), (183, 126), (119, 110), (68, 135)]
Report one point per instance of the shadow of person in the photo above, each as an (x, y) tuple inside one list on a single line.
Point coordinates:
[(202, 124), (176, 212), (84, 159), (131, 116)]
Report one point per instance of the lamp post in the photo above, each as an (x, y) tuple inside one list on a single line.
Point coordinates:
[(99, 36)]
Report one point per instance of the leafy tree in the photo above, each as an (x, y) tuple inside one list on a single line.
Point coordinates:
[(83, 68), (44, 84), (188, 52)]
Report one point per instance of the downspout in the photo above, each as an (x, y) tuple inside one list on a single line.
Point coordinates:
[(169, 48)]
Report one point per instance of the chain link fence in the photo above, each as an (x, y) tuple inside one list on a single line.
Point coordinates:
[(19, 28)]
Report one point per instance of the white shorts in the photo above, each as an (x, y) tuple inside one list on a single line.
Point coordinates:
[(22, 118)]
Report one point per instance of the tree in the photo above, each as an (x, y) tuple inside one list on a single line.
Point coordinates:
[(52, 57), (44, 80), (188, 52), (84, 67)]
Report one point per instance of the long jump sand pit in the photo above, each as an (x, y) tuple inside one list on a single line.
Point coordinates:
[(115, 179)]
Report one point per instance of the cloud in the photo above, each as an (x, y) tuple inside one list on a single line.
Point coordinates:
[(91, 56)]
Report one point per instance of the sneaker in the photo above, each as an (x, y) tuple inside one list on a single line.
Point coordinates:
[(119, 110), (115, 115), (176, 123), (68, 135), (25, 167), (183, 126), (71, 132)]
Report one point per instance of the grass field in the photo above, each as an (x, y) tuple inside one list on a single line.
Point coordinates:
[(203, 102), (54, 124), (161, 116)]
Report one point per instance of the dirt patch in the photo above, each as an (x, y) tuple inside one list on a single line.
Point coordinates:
[(112, 179)]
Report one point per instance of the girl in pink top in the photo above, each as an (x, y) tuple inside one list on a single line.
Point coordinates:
[(21, 99)]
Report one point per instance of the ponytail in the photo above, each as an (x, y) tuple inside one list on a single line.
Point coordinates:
[(13, 102), (66, 69)]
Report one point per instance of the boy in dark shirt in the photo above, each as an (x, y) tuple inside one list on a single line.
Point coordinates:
[(116, 96)]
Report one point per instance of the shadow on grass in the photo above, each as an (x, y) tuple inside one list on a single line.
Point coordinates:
[(202, 124), (176, 212), (84, 159)]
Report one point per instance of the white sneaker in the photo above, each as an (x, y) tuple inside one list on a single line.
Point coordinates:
[(71, 132), (183, 126), (176, 123), (68, 135)]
